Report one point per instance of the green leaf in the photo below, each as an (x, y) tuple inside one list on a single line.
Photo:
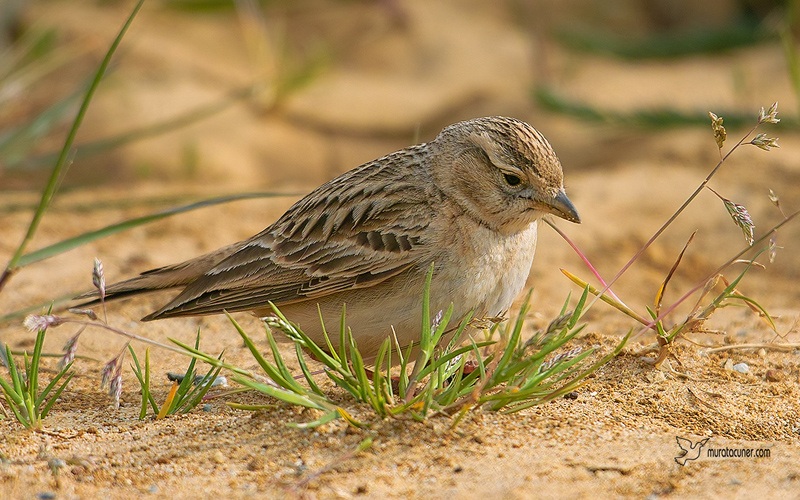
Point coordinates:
[(281, 394), (90, 236)]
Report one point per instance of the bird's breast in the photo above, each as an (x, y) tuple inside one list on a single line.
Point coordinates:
[(491, 270)]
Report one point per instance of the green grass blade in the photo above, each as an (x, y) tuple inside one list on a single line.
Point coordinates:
[(327, 337), (404, 359), (281, 394), (30, 410), (381, 382), (301, 360), (658, 324), (200, 390), (285, 373), (50, 402), (271, 371), (15, 402), (12, 395), (62, 164), (426, 310), (144, 381), (16, 144), (89, 236), (186, 382), (33, 370), (578, 311), (207, 358), (364, 385), (16, 377), (44, 394), (324, 419), (763, 313), (425, 346), (516, 333), (343, 341)]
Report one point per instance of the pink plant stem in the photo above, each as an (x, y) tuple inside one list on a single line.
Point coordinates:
[(586, 261), (124, 333)]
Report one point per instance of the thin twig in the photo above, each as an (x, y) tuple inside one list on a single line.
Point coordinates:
[(774, 347), (705, 403), (680, 210), (119, 331)]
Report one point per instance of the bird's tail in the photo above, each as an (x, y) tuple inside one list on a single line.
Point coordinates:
[(162, 278)]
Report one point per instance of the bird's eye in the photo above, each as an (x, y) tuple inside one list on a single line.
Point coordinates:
[(512, 180)]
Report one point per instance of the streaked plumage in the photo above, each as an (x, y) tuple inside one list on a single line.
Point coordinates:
[(468, 201)]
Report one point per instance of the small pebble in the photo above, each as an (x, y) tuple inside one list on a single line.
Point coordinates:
[(56, 464), (774, 375), (256, 464), (741, 367)]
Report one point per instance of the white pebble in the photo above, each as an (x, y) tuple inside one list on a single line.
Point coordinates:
[(741, 367)]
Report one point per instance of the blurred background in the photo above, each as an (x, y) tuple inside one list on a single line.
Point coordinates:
[(218, 96)]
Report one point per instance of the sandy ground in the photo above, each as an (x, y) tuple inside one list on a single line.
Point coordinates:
[(390, 74)]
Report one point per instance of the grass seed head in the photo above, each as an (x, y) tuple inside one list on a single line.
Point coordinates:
[(769, 116)]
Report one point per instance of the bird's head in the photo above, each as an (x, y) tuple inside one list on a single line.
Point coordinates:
[(501, 171)]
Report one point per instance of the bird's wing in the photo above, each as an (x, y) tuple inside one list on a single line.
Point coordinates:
[(353, 232), (684, 444)]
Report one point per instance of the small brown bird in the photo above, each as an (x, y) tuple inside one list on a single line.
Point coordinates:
[(469, 202)]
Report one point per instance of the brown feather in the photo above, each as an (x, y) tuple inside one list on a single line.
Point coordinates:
[(339, 237)]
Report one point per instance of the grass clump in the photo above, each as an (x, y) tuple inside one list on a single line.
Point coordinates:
[(28, 404), (444, 378), (187, 391)]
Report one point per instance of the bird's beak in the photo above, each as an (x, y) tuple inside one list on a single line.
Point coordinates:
[(562, 207)]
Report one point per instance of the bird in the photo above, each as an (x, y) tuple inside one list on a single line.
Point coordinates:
[(689, 451), (466, 204)]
